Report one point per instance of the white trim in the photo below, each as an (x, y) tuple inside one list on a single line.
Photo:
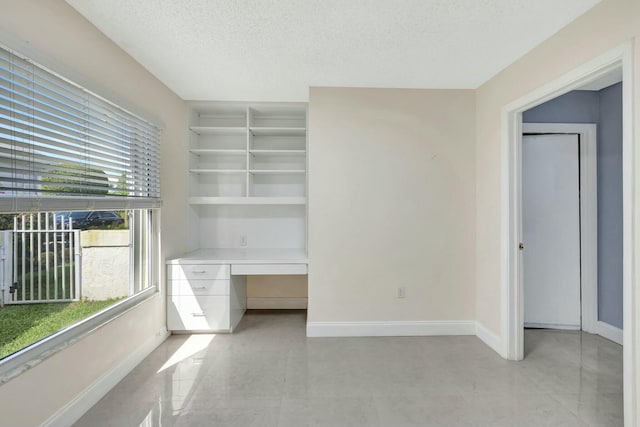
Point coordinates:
[(511, 280), (76, 408), (493, 340), (552, 326), (630, 239), (391, 329), (512, 303), (588, 213), (609, 332), (511, 141), (276, 303)]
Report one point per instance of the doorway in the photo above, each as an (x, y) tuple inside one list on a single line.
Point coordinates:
[(512, 273), (560, 226), (551, 231)]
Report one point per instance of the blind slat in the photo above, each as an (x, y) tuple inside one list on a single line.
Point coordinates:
[(30, 104), (58, 141), (71, 94)]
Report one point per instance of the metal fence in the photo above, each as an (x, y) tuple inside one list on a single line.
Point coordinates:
[(41, 260)]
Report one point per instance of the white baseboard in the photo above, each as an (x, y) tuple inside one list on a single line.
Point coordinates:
[(494, 341), (390, 329), (552, 326), (399, 328), (609, 332), (76, 408), (276, 303)]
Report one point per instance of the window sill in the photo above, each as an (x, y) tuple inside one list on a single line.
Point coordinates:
[(25, 359)]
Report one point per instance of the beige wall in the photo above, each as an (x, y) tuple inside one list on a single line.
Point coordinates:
[(604, 27), (52, 33), (391, 203), (293, 286)]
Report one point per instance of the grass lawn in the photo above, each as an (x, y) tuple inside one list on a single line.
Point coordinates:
[(22, 325)]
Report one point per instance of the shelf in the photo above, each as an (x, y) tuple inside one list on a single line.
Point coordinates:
[(216, 151), (247, 200), (278, 131), (277, 171), (252, 171), (214, 171), (218, 130), (277, 152)]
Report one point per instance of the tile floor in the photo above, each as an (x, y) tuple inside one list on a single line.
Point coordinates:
[(269, 374)]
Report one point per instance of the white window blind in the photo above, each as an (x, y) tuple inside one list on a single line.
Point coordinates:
[(63, 147)]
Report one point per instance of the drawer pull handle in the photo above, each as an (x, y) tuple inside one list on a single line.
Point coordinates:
[(199, 287), (200, 314), (199, 271)]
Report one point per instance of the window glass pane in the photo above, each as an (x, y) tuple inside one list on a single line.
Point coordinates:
[(61, 267)]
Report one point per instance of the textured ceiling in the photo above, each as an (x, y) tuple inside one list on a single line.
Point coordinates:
[(275, 49)]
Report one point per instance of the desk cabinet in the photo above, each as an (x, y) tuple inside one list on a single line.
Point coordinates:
[(204, 298)]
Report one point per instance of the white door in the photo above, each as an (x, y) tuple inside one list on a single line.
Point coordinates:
[(551, 230)]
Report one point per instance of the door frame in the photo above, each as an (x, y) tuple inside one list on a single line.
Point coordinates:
[(588, 212), (511, 291)]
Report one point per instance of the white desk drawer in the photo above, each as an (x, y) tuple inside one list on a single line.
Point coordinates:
[(199, 271), (198, 313), (198, 287), (260, 269)]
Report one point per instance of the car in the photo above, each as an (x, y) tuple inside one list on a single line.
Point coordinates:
[(85, 220)]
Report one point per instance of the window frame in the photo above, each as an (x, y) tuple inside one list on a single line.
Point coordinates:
[(31, 355), (22, 360)]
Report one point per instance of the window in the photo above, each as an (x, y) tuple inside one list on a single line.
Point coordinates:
[(79, 194)]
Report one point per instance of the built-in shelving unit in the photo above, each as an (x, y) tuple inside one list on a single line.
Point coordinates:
[(247, 174), (247, 209), (248, 151)]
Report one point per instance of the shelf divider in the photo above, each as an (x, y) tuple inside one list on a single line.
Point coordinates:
[(277, 131), (218, 130), (242, 200), (214, 171), (277, 171), (217, 151)]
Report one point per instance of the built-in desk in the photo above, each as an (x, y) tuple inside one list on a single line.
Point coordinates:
[(207, 288)]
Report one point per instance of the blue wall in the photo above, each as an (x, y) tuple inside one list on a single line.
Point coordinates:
[(579, 106), (610, 206), (605, 109)]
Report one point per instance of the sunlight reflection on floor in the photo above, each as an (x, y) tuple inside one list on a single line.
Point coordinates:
[(191, 346)]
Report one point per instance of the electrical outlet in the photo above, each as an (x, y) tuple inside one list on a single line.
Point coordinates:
[(243, 240), (400, 292)]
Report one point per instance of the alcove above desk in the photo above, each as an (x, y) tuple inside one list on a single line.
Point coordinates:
[(207, 290)]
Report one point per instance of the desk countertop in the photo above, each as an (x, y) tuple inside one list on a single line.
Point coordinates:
[(242, 256)]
